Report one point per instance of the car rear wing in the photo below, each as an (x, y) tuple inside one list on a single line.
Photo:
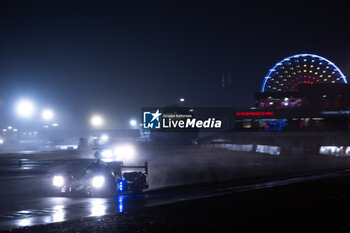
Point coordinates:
[(141, 167)]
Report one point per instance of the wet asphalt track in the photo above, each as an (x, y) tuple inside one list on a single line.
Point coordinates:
[(19, 211)]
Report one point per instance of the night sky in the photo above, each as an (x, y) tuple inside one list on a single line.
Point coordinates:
[(114, 57)]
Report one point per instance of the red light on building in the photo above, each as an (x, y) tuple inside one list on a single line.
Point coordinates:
[(255, 113)]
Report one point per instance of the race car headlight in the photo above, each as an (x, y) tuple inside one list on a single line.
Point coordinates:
[(97, 181), (58, 181), (107, 153)]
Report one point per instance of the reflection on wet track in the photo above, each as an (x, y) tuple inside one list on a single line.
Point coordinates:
[(57, 209), (46, 210), (29, 211)]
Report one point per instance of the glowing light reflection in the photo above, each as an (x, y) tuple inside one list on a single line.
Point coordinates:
[(120, 203), (98, 207), (59, 213)]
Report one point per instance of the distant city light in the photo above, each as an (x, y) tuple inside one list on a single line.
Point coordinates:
[(46, 126), (182, 99), (4, 130), (25, 108), (133, 123), (1, 141), (15, 130), (96, 121), (104, 138), (47, 114), (55, 124), (10, 127)]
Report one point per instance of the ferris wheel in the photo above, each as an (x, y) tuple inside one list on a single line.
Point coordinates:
[(287, 74)]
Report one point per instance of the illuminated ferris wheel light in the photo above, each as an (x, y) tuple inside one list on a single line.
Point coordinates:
[(287, 74)]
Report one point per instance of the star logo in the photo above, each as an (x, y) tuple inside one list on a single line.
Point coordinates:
[(151, 119), (156, 115)]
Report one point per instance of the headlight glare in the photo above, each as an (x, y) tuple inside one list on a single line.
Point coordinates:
[(97, 181), (58, 181), (107, 153)]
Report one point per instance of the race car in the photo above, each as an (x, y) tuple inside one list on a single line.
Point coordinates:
[(101, 179)]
